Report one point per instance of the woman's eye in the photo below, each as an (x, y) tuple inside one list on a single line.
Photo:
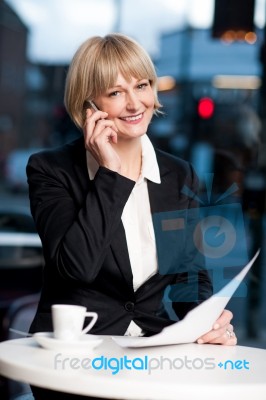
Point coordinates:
[(143, 85), (114, 94)]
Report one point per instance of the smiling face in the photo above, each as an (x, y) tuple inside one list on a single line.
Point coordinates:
[(115, 63), (130, 105)]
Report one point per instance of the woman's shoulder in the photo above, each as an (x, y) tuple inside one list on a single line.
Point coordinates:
[(172, 162), (67, 153), (177, 169)]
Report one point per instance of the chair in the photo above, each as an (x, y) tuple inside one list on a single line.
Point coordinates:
[(21, 258), (21, 267), (18, 318)]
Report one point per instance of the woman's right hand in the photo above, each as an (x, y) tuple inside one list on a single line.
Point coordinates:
[(100, 136)]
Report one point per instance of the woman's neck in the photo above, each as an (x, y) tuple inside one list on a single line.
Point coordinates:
[(130, 153)]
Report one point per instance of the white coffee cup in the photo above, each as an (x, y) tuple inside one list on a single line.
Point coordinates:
[(68, 321)]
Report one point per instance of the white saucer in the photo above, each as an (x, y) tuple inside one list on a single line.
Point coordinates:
[(48, 341)]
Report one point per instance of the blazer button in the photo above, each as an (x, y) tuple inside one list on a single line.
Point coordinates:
[(129, 306)]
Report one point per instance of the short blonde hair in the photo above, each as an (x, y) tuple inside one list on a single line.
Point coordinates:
[(95, 67)]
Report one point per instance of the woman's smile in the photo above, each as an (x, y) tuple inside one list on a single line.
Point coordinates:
[(133, 119)]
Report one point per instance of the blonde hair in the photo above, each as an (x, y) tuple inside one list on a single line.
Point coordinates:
[(95, 67)]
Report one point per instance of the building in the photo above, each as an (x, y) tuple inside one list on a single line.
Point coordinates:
[(13, 41)]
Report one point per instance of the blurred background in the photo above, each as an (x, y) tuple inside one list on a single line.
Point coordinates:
[(210, 57)]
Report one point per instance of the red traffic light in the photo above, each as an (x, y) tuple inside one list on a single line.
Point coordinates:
[(205, 107)]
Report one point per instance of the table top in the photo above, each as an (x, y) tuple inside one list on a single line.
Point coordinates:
[(186, 372), (20, 239)]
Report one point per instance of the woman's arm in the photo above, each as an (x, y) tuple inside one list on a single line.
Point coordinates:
[(75, 237)]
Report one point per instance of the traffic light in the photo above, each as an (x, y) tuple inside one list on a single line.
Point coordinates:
[(205, 107), (204, 110)]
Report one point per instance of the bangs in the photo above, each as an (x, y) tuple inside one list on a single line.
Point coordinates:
[(114, 60)]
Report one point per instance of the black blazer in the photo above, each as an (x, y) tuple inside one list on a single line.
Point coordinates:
[(85, 249)]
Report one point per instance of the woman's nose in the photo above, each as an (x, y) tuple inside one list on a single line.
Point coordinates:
[(133, 102)]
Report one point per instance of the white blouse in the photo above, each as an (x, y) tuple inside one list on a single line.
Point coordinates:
[(137, 221)]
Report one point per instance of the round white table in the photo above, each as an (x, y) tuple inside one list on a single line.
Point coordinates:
[(184, 372)]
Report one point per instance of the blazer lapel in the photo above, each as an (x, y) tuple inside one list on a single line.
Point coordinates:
[(164, 196), (121, 255)]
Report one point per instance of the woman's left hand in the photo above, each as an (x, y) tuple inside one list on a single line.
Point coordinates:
[(222, 332)]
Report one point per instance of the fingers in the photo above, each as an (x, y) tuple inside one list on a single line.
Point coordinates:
[(99, 135), (225, 340), (230, 337), (224, 319), (103, 132), (94, 115), (96, 124), (222, 332), (224, 335)]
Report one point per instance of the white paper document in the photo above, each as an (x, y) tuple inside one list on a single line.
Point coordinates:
[(196, 323)]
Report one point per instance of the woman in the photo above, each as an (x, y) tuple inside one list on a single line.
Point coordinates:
[(96, 201)]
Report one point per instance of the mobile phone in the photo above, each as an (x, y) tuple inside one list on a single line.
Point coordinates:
[(93, 105)]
